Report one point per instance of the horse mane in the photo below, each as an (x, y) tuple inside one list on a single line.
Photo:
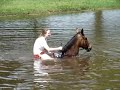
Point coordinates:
[(69, 44)]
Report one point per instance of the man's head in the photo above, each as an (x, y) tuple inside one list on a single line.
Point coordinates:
[(45, 32)]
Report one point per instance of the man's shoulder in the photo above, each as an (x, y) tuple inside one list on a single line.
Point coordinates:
[(40, 38)]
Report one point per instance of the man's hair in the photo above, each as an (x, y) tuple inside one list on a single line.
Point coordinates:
[(43, 32)]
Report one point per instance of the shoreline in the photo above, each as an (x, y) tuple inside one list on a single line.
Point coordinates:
[(48, 7), (49, 13)]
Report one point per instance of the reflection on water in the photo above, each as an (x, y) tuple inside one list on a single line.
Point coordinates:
[(63, 72), (99, 68), (38, 71)]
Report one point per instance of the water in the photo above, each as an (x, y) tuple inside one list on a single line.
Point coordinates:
[(96, 70)]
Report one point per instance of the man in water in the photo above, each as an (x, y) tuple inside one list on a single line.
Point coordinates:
[(41, 48)]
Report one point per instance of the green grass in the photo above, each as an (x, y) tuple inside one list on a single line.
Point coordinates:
[(50, 6)]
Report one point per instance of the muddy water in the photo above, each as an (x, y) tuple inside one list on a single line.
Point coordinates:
[(96, 70)]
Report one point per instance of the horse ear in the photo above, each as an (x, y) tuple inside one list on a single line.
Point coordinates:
[(82, 31), (77, 30)]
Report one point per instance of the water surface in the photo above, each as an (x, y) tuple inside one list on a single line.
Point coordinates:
[(96, 70)]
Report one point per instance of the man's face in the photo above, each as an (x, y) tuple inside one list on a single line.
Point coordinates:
[(48, 33)]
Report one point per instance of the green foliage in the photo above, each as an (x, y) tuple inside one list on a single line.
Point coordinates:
[(48, 6)]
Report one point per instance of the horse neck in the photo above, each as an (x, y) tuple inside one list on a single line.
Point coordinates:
[(73, 51)]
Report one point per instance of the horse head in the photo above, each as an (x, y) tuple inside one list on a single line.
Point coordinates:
[(77, 41), (82, 41)]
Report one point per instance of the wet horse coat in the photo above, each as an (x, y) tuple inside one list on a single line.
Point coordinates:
[(72, 47)]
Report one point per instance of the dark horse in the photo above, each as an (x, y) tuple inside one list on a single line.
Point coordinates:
[(77, 41)]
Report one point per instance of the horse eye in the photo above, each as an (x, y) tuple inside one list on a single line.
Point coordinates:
[(85, 38)]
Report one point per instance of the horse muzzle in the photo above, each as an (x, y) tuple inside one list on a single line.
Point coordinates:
[(89, 48)]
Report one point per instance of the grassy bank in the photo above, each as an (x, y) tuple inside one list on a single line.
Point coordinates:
[(11, 7)]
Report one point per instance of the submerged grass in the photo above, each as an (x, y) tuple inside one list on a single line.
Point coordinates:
[(50, 6)]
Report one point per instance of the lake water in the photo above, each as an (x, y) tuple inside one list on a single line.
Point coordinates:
[(95, 70)]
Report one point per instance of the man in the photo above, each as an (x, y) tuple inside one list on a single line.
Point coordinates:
[(41, 47)]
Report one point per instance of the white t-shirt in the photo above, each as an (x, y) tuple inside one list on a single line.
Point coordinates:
[(39, 45)]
